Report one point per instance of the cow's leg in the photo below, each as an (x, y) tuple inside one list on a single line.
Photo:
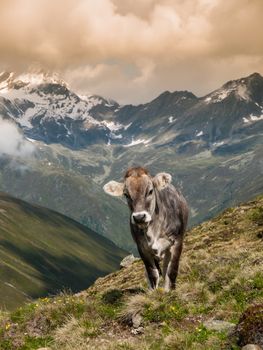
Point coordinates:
[(166, 260), (173, 265), (152, 275), (157, 264), (151, 268)]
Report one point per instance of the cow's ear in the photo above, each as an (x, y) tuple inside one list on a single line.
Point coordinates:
[(114, 188), (162, 180)]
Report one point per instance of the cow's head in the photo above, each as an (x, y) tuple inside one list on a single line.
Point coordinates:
[(139, 188)]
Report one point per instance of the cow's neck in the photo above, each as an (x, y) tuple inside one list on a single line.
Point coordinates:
[(153, 231)]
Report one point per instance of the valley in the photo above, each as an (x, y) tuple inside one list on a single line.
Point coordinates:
[(211, 145), (43, 253)]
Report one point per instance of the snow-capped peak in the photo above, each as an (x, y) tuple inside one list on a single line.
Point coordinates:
[(9, 80), (238, 88), (40, 95), (241, 88), (40, 78)]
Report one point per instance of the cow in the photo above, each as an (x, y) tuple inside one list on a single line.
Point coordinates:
[(158, 220)]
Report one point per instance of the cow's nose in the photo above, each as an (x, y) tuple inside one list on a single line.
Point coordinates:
[(139, 218), (155, 251)]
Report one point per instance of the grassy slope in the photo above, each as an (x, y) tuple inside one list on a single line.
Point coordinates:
[(220, 275), (43, 252), (66, 185)]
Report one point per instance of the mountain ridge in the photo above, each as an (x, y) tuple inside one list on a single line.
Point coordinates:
[(49, 111)]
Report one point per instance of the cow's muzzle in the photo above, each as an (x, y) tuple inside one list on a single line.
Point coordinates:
[(141, 217)]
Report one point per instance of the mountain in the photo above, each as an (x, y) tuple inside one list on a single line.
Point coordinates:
[(217, 303), (191, 124), (212, 146), (47, 110), (43, 252)]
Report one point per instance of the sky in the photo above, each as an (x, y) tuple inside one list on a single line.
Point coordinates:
[(132, 50)]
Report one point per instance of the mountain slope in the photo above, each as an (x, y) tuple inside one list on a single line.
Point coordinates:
[(61, 180), (44, 252), (211, 145), (220, 276)]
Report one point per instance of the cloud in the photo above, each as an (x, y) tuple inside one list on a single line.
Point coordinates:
[(12, 142), (133, 49)]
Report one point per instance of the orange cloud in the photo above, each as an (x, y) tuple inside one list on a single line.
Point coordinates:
[(131, 50)]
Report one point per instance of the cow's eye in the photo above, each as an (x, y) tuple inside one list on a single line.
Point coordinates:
[(150, 192)]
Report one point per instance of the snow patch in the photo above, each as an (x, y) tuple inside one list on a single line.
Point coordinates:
[(239, 88), (127, 126), (115, 126), (112, 125), (115, 137), (222, 95), (91, 101), (217, 144), (242, 92), (137, 142), (253, 118), (200, 133), (30, 140)]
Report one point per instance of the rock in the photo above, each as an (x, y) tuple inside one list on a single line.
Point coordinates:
[(136, 331), (128, 260), (220, 326), (136, 321), (251, 347), (249, 329)]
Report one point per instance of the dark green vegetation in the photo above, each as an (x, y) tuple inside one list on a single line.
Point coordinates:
[(44, 252), (220, 278)]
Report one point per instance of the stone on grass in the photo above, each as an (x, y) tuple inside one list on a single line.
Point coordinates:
[(128, 260), (136, 331), (136, 320), (251, 347), (219, 326)]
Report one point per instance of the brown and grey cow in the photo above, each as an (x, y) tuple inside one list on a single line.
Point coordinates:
[(158, 221)]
